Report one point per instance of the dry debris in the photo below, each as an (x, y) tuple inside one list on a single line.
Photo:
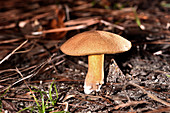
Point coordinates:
[(30, 60)]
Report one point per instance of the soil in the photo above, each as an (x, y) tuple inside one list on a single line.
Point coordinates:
[(136, 81)]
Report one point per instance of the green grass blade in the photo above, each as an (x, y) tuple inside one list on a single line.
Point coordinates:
[(168, 75), (137, 18), (50, 94), (0, 106), (56, 93), (4, 92), (43, 106), (25, 109)]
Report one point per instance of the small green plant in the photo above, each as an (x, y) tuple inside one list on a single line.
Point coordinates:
[(4, 92), (118, 6), (93, 3), (0, 105), (165, 4), (44, 106), (137, 18), (168, 75)]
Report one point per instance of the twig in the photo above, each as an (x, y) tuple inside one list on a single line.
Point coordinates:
[(7, 79), (108, 11), (10, 41), (82, 26), (40, 66), (64, 103), (83, 20), (24, 78), (82, 7), (112, 25), (17, 13), (24, 22), (67, 12), (22, 70), (20, 99), (59, 80), (129, 104), (59, 30), (159, 110), (150, 95), (26, 50), (6, 58), (54, 57), (27, 85), (129, 101)]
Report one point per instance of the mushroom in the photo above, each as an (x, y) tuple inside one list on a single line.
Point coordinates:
[(95, 44)]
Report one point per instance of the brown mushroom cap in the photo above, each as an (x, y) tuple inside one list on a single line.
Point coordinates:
[(95, 42)]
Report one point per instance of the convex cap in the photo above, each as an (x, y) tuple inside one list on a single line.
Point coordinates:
[(95, 42)]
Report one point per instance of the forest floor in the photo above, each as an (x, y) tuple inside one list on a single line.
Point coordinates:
[(35, 76)]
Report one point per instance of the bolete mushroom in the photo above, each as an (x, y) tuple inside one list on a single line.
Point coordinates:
[(95, 44)]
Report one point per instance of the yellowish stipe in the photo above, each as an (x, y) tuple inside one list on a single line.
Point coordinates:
[(95, 75)]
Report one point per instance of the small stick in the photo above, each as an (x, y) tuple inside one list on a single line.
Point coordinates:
[(10, 41), (150, 95), (59, 29), (129, 104), (26, 83), (112, 25), (82, 26), (7, 57), (24, 78)]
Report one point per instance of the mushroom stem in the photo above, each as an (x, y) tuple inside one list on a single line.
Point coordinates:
[(95, 75)]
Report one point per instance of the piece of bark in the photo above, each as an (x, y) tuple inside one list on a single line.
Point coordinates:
[(115, 75)]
